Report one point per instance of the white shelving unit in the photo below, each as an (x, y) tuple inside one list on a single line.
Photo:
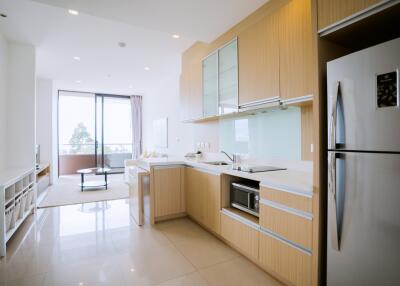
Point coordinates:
[(17, 201)]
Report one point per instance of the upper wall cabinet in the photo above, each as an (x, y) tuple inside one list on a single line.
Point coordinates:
[(273, 58), (190, 92), (297, 50), (332, 11), (228, 78), (191, 84), (220, 81), (259, 62), (210, 85)]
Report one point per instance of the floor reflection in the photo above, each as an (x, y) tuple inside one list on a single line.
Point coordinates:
[(93, 217)]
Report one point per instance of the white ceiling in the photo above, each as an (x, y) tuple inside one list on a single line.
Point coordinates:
[(145, 26)]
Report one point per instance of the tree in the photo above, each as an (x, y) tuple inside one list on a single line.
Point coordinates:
[(80, 139)]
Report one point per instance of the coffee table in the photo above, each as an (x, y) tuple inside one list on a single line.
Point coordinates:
[(93, 184)]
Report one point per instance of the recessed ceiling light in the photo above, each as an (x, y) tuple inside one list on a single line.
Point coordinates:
[(77, 58), (131, 86), (176, 36), (3, 15), (73, 12), (146, 68), (78, 81)]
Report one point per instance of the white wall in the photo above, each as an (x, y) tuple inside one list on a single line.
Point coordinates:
[(182, 137), (44, 123), (164, 102), (3, 75), (20, 106)]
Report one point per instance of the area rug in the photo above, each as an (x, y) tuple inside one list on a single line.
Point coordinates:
[(66, 191)]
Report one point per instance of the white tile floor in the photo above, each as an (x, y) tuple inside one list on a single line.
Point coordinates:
[(98, 244)]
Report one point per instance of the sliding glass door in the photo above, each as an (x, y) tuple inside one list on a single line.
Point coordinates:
[(94, 130), (114, 131)]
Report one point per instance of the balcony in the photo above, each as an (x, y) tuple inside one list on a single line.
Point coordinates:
[(73, 157)]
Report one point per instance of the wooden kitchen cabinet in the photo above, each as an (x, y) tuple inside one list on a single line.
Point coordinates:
[(242, 236), (291, 264), (194, 194), (168, 192), (297, 50), (289, 225), (258, 54), (191, 90), (212, 202), (203, 198), (332, 11), (292, 200)]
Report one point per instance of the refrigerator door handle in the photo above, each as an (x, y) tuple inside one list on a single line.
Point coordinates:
[(332, 205), (333, 116)]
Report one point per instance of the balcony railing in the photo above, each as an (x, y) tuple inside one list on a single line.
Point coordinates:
[(73, 149), (73, 157)]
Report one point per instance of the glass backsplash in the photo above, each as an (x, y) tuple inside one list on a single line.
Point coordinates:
[(273, 133)]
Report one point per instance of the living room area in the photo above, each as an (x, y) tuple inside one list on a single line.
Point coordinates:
[(93, 136)]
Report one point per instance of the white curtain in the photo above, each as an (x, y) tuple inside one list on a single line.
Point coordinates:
[(136, 107)]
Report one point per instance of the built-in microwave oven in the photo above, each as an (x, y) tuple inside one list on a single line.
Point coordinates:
[(245, 197)]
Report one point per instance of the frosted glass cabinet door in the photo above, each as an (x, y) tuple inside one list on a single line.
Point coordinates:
[(210, 85), (228, 78)]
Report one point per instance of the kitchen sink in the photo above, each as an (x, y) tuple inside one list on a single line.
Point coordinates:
[(217, 163)]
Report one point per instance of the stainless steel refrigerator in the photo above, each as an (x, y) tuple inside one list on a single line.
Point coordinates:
[(363, 231)]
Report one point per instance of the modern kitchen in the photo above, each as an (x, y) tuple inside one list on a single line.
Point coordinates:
[(280, 91), (265, 153)]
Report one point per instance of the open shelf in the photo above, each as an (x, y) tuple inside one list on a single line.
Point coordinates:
[(241, 215), (18, 222), (18, 191)]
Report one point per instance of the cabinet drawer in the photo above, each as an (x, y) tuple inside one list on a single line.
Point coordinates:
[(291, 226), (292, 265), (242, 236), (300, 202)]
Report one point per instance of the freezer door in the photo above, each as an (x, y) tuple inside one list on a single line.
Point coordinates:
[(363, 100), (363, 237)]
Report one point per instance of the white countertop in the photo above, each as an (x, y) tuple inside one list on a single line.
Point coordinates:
[(292, 180)]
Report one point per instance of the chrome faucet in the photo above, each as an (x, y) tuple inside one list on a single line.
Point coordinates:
[(234, 157)]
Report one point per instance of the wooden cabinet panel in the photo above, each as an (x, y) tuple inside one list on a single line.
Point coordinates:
[(291, 264), (185, 95), (291, 200), (294, 228), (296, 46), (169, 197), (194, 193), (332, 11), (203, 198), (191, 82), (196, 91), (243, 237), (258, 54), (212, 202)]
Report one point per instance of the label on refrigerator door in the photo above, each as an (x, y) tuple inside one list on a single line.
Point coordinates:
[(387, 92)]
